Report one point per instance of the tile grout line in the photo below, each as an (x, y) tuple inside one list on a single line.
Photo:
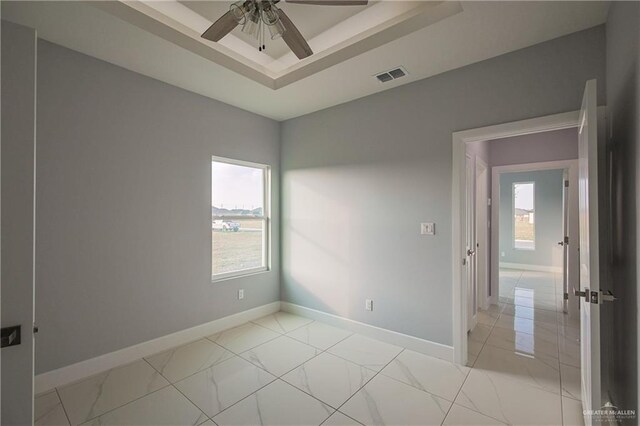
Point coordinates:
[(168, 381), (64, 410), (469, 373), (369, 381), (180, 392), (84, 422), (280, 377)]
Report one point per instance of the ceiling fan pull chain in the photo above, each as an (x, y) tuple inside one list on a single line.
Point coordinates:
[(264, 47)]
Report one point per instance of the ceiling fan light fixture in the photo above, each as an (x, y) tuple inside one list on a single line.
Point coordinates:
[(270, 14), (252, 23), (277, 30), (239, 12)]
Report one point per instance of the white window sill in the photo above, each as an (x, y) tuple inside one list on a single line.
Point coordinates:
[(239, 274)]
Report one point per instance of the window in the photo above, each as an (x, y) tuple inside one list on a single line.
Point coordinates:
[(239, 218), (524, 227)]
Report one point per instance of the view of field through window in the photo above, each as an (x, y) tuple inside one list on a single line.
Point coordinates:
[(237, 242), (524, 215)]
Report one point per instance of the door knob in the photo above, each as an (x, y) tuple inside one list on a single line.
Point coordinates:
[(471, 252), (560, 243)]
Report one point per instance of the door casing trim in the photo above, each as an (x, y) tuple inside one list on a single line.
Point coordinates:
[(458, 205)]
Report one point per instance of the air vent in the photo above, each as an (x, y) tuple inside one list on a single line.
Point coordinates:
[(384, 77), (391, 75)]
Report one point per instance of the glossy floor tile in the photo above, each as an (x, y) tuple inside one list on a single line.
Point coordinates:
[(537, 343), (224, 384), (569, 351), (276, 404), (287, 370), (528, 363), (48, 410), (510, 401), (461, 416), (339, 419), (366, 352), (426, 373), (329, 378), (244, 337), (570, 378), (319, 335), (280, 355), (385, 401), (164, 407), (98, 394), (178, 363), (572, 412), (538, 371), (283, 322)]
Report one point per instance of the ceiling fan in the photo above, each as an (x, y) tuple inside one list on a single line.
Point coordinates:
[(254, 15)]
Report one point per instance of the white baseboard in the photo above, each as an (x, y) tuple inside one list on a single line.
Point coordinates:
[(426, 347), (74, 372), (526, 267)]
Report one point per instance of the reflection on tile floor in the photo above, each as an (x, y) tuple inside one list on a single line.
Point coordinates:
[(525, 357), (288, 370)]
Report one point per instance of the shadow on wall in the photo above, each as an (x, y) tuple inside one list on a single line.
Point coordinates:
[(622, 318)]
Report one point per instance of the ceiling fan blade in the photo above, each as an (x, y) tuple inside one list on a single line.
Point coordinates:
[(293, 38), (223, 26), (331, 2)]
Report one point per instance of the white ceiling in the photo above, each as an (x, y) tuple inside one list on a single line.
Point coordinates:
[(481, 31)]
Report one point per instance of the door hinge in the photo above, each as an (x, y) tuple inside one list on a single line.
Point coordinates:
[(566, 240), (566, 183), (566, 296)]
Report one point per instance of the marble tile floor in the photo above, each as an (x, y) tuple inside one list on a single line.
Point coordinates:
[(288, 370), (524, 355)]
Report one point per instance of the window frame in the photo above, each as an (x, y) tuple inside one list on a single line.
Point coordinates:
[(513, 214), (265, 217)]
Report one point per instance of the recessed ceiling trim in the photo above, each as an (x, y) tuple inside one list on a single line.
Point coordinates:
[(421, 17), (153, 20), (149, 19)]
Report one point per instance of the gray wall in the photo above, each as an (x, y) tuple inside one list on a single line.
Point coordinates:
[(18, 150), (358, 178), (620, 325), (548, 146), (124, 209), (548, 218)]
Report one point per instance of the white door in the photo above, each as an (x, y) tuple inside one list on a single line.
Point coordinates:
[(589, 251), (481, 235), (17, 213), (471, 244), (564, 242)]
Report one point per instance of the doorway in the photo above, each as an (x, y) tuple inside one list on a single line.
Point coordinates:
[(461, 140), (535, 218)]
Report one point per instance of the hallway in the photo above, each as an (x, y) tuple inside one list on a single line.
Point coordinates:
[(528, 352)]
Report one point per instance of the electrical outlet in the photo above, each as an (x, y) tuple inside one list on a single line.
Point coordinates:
[(368, 304), (241, 294), (428, 228)]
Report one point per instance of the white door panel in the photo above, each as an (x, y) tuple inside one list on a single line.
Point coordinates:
[(589, 251)]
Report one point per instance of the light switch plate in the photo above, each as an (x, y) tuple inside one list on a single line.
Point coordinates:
[(428, 228), (368, 304), (241, 294)]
